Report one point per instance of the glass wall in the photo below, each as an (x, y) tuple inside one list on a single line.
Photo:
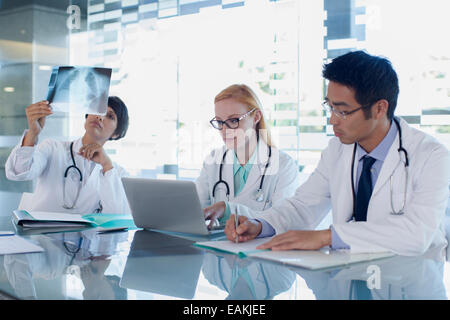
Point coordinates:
[(33, 36), (170, 58)]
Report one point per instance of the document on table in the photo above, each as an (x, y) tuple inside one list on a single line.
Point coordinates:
[(13, 244), (319, 259), (310, 259), (37, 219), (242, 249)]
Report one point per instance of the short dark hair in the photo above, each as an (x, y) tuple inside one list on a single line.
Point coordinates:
[(121, 111), (371, 77)]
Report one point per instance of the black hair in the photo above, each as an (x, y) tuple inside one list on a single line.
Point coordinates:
[(121, 111), (371, 77)]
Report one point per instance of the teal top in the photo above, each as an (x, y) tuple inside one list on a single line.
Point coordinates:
[(240, 175)]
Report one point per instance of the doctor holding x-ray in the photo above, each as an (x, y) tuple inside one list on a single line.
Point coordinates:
[(72, 176)]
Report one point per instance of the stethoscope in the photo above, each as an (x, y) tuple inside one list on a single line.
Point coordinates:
[(74, 167), (70, 251), (406, 165), (259, 194)]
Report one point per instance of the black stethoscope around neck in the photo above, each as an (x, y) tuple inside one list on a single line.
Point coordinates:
[(66, 172), (259, 194), (406, 165)]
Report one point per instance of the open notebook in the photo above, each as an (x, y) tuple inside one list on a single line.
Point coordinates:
[(310, 259)]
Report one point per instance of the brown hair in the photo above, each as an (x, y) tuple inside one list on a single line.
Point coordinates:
[(243, 94)]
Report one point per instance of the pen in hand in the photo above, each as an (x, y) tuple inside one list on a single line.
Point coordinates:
[(248, 229)]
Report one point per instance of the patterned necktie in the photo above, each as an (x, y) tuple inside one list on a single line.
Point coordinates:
[(364, 190)]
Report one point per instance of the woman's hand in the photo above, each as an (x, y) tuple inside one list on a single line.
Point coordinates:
[(214, 212), (96, 153), (36, 114)]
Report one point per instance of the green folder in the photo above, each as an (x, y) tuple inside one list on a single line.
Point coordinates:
[(111, 220)]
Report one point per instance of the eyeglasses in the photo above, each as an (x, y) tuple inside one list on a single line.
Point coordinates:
[(231, 123), (341, 114)]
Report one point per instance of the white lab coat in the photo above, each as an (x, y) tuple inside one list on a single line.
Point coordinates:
[(412, 233), (47, 163), (280, 182)]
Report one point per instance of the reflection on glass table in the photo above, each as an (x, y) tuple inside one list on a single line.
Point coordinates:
[(162, 264), (43, 275), (395, 278), (154, 265), (245, 278)]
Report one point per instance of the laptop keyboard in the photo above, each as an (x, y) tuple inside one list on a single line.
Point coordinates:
[(220, 227)]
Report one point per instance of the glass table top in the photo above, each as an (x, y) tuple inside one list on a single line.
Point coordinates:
[(141, 264)]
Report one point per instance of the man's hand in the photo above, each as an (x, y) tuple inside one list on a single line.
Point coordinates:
[(300, 240), (246, 230)]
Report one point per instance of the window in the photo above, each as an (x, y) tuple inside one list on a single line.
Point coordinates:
[(170, 58)]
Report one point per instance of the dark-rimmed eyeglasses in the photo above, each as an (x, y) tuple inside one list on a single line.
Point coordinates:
[(232, 123), (341, 114)]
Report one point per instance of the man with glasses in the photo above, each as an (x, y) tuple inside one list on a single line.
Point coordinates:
[(386, 183)]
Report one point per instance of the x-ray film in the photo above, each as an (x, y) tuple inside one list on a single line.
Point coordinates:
[(79, 89)]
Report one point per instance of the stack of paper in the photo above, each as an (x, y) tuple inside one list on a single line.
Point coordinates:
[(310, 259)]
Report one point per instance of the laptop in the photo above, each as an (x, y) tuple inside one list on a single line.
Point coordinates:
[(168, 205)]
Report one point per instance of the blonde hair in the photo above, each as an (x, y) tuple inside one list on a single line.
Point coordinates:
[(243, 94)]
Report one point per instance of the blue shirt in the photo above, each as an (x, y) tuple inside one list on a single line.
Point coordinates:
[(379, 153)]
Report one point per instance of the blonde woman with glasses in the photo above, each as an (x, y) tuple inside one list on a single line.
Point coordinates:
[(248, 172)]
